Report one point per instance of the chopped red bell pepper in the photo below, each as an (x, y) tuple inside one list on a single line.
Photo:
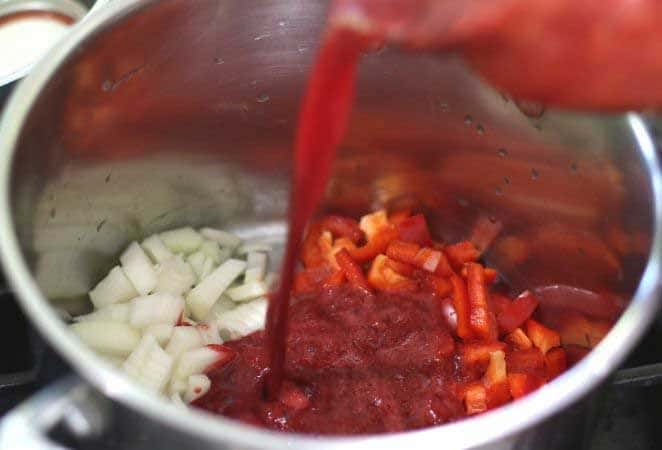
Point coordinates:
[(402, 268), (574, 353), (397, 217), (415, 229), (518, 340), (523, 383), (311, 254), (440, 286), (383, 278), (310, 280), (481, 318), (461, 253), (335, 279), (478, 353), (555, 362), (374, 246), (343, 227), (461, 305), (526, 361), (512, 314), (352, 271), (497, 394), (542, 337), (475, 399), (424, 258)]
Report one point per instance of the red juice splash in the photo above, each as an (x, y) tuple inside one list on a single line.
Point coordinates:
[(322, 121)]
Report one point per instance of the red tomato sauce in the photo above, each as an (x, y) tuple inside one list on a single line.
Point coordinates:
[(356, 363)]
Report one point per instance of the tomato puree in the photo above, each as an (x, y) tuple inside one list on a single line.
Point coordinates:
[(356, 363)]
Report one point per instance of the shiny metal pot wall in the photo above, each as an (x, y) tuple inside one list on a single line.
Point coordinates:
[(155, 114)]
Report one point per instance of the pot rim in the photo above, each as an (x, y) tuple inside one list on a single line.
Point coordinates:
[(489, 427)]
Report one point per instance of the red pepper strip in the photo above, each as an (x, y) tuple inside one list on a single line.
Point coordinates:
[(444, 268), (555, 362), (336, 279), (415, 229), (526, 361), (490, 275), (374, 246), (402, 251), (341, 226), (310, 280), (461, 305), (523, 383), (398, 216), (542, 337), (460, 253), (478, 353), (512, 314), (481, 318), (475, 399), (440, 286), (352, 271), (404, 269), (424, 258), (497, 394), (311, 254)]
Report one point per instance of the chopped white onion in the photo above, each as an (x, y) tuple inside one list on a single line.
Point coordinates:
[(175, 276), (162, 332), (156, 249), (114, 361), (176, 399), (197, 386), (223, 238), (155, 309), (183, 338), (149, 365), (197, 261), (182, 240), (223, 305), (111, 313), (247, 291), (244, 319), (254, 247), (199, 360), (115, 288), (271, 281), (209, 333), (206, 293), (256, 266), (212, 251), (109, 338), (207, 268), (138, 268)]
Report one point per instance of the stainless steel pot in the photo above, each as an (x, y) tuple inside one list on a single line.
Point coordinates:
[(156, 114)]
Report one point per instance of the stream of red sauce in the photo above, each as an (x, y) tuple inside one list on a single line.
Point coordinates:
[(323, 118)]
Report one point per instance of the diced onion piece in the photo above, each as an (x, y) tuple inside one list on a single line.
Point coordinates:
[(114, 361), (178, 386), (197, 261), (223, 238), (115, 288), (175, 276), (110, 313), (156, 249), (207, 268), (138, 268), (212, 251), (223, 305), (182, 240), (244, 319), (109, 338), (155, 309), (206, 293), (183, 338), (371, 224), (201, 360), (496, 369), (256, 267), (149, 365), (254, 247), (162, 332), (176, 399), (209, 333), (198, 385), (247, 291)]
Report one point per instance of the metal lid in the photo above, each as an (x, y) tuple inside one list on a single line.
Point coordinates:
[(29, 28)]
